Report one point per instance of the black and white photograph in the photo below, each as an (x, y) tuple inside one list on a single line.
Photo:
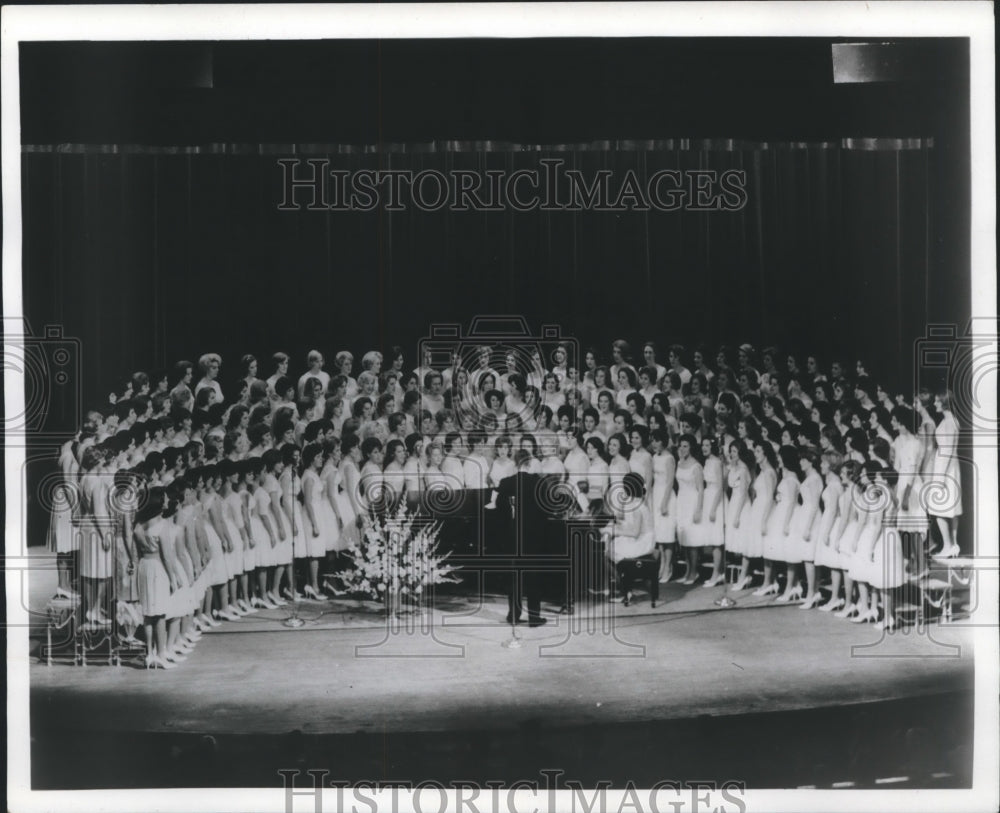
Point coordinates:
[(500, 407)]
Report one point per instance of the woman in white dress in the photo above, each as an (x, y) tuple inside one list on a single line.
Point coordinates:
[(349, 499), (888, 572), (281, 554), (738, 508), (263, 530), (291, 502), (762, 494), (664, 502), (317, 515), (805, 524), (630, 533), (713, 525), (597, 476), (220, 542), (826, 548), (232, 516), (617, 450), (907, 451), (690, 503), (154, 583), (63, 539), (95, 531), (847, 529), (945, 495), (876, 498), (779, 524)]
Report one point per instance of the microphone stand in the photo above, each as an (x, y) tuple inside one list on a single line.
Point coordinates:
[(726, 600), (293, 620)]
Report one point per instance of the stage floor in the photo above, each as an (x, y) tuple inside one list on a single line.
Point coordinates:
[(347, 674)]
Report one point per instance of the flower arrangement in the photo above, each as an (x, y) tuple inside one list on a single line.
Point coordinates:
[(397, 556)]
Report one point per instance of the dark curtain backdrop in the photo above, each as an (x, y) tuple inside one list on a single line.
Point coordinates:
[(150, 255)]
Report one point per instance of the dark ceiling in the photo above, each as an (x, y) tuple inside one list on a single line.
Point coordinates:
[(531, 91)]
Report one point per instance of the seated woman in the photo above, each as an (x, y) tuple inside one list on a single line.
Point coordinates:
[(629, 535)]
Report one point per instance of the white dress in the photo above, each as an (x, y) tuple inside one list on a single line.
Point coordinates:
[(913, 517), (260, 505), (737, 538), (887, 557), (151, 577), (330, 478), (62, 535), (232, 516), (763, 491), (798, 548), (826, 548), (664, 527), (95, 561), (713, 533), (775, 540), (316, 546), (944, 496), (847, 542), (688, 533), (862, 567), (350, 533), (217, 567)]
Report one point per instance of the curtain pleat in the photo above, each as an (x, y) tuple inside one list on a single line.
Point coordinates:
[(149, 255)]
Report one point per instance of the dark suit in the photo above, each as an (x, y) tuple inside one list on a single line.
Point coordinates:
[(527, 525)]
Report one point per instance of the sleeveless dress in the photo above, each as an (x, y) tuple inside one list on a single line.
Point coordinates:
[(95, 561), (350, 534), (218, 571), (62, 536), (260, 505), (775, 541), (798, 548), (826, 549), (185, 598), (232, 516), (283, 552), (862, 568), (737, 538), (330, 478), (713, 533), (688, 533), (913, 518), (763, 490), (847, 542), (664, 527), (152, 581), (187, 517), (944, 499), (316, 546), (888, 562)]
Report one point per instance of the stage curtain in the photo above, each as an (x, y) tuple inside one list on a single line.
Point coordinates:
[(152, 254)]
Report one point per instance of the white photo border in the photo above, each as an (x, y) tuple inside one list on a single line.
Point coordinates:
[(973, 20)]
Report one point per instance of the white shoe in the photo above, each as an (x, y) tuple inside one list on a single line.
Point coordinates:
[(276, 599), (246, 607), (769, 590), (715, 580), (742, 584), (831, 605)]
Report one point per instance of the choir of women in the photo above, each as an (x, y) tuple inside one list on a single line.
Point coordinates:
[(252, 491)]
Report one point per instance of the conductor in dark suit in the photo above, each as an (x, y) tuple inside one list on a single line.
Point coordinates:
[(527, 525)]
